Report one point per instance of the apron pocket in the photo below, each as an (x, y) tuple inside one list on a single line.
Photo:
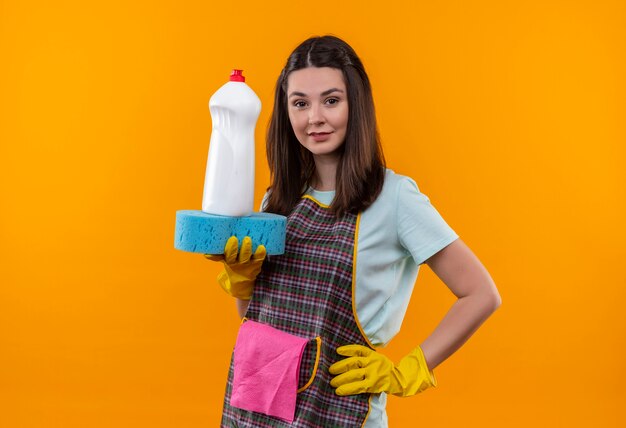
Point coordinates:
[(309, 363), (266, 370)]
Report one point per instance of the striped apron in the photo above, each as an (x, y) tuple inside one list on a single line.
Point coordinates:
[(308, 292)]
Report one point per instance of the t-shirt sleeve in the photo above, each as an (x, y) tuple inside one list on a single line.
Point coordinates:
[(421, 229)]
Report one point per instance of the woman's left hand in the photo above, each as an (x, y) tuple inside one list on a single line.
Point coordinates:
[(365, 370)]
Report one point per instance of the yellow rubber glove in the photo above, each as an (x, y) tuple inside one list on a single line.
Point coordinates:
[(368, 371), (240, 268)]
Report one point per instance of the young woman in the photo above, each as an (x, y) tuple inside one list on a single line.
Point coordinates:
[(356, 236)]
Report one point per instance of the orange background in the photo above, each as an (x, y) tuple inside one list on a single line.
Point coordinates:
[(509, 115)]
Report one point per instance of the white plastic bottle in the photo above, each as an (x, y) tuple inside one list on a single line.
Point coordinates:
[(229, 179)]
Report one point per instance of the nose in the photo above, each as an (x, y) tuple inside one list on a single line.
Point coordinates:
[(315, 115)]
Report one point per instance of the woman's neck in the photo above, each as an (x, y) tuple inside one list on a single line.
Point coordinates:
[(325, 173)]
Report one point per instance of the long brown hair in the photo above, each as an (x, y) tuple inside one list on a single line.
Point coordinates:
[(361, 170)]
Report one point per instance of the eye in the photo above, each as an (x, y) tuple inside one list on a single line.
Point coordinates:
[(299, 104), (334, 101)]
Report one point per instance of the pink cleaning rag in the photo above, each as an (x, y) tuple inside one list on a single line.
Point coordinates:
[(266, 368)]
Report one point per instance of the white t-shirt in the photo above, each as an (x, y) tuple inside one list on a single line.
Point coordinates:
[(396, 234)]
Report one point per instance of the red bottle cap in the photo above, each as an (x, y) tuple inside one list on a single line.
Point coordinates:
[(236, 76)]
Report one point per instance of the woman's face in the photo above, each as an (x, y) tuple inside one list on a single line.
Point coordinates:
[(317, 102)]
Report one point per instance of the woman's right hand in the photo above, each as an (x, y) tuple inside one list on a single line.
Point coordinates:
[(240, 267)]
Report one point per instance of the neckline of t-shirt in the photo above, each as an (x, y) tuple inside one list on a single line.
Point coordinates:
[(326, 192)]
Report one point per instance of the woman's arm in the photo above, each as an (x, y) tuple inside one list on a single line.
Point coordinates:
[(242, 307), (477, 295)]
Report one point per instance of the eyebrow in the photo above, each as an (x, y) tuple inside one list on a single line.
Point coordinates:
[(323, 94)]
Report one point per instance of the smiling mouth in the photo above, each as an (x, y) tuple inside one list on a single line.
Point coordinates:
[(312, 134)]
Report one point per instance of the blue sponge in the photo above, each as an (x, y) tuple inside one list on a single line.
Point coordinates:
[(199, 232)]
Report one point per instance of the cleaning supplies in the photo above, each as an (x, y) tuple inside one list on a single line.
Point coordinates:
[(227, 203), (229, 179)]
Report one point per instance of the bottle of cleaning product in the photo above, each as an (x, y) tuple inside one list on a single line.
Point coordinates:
[(229, 179)]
